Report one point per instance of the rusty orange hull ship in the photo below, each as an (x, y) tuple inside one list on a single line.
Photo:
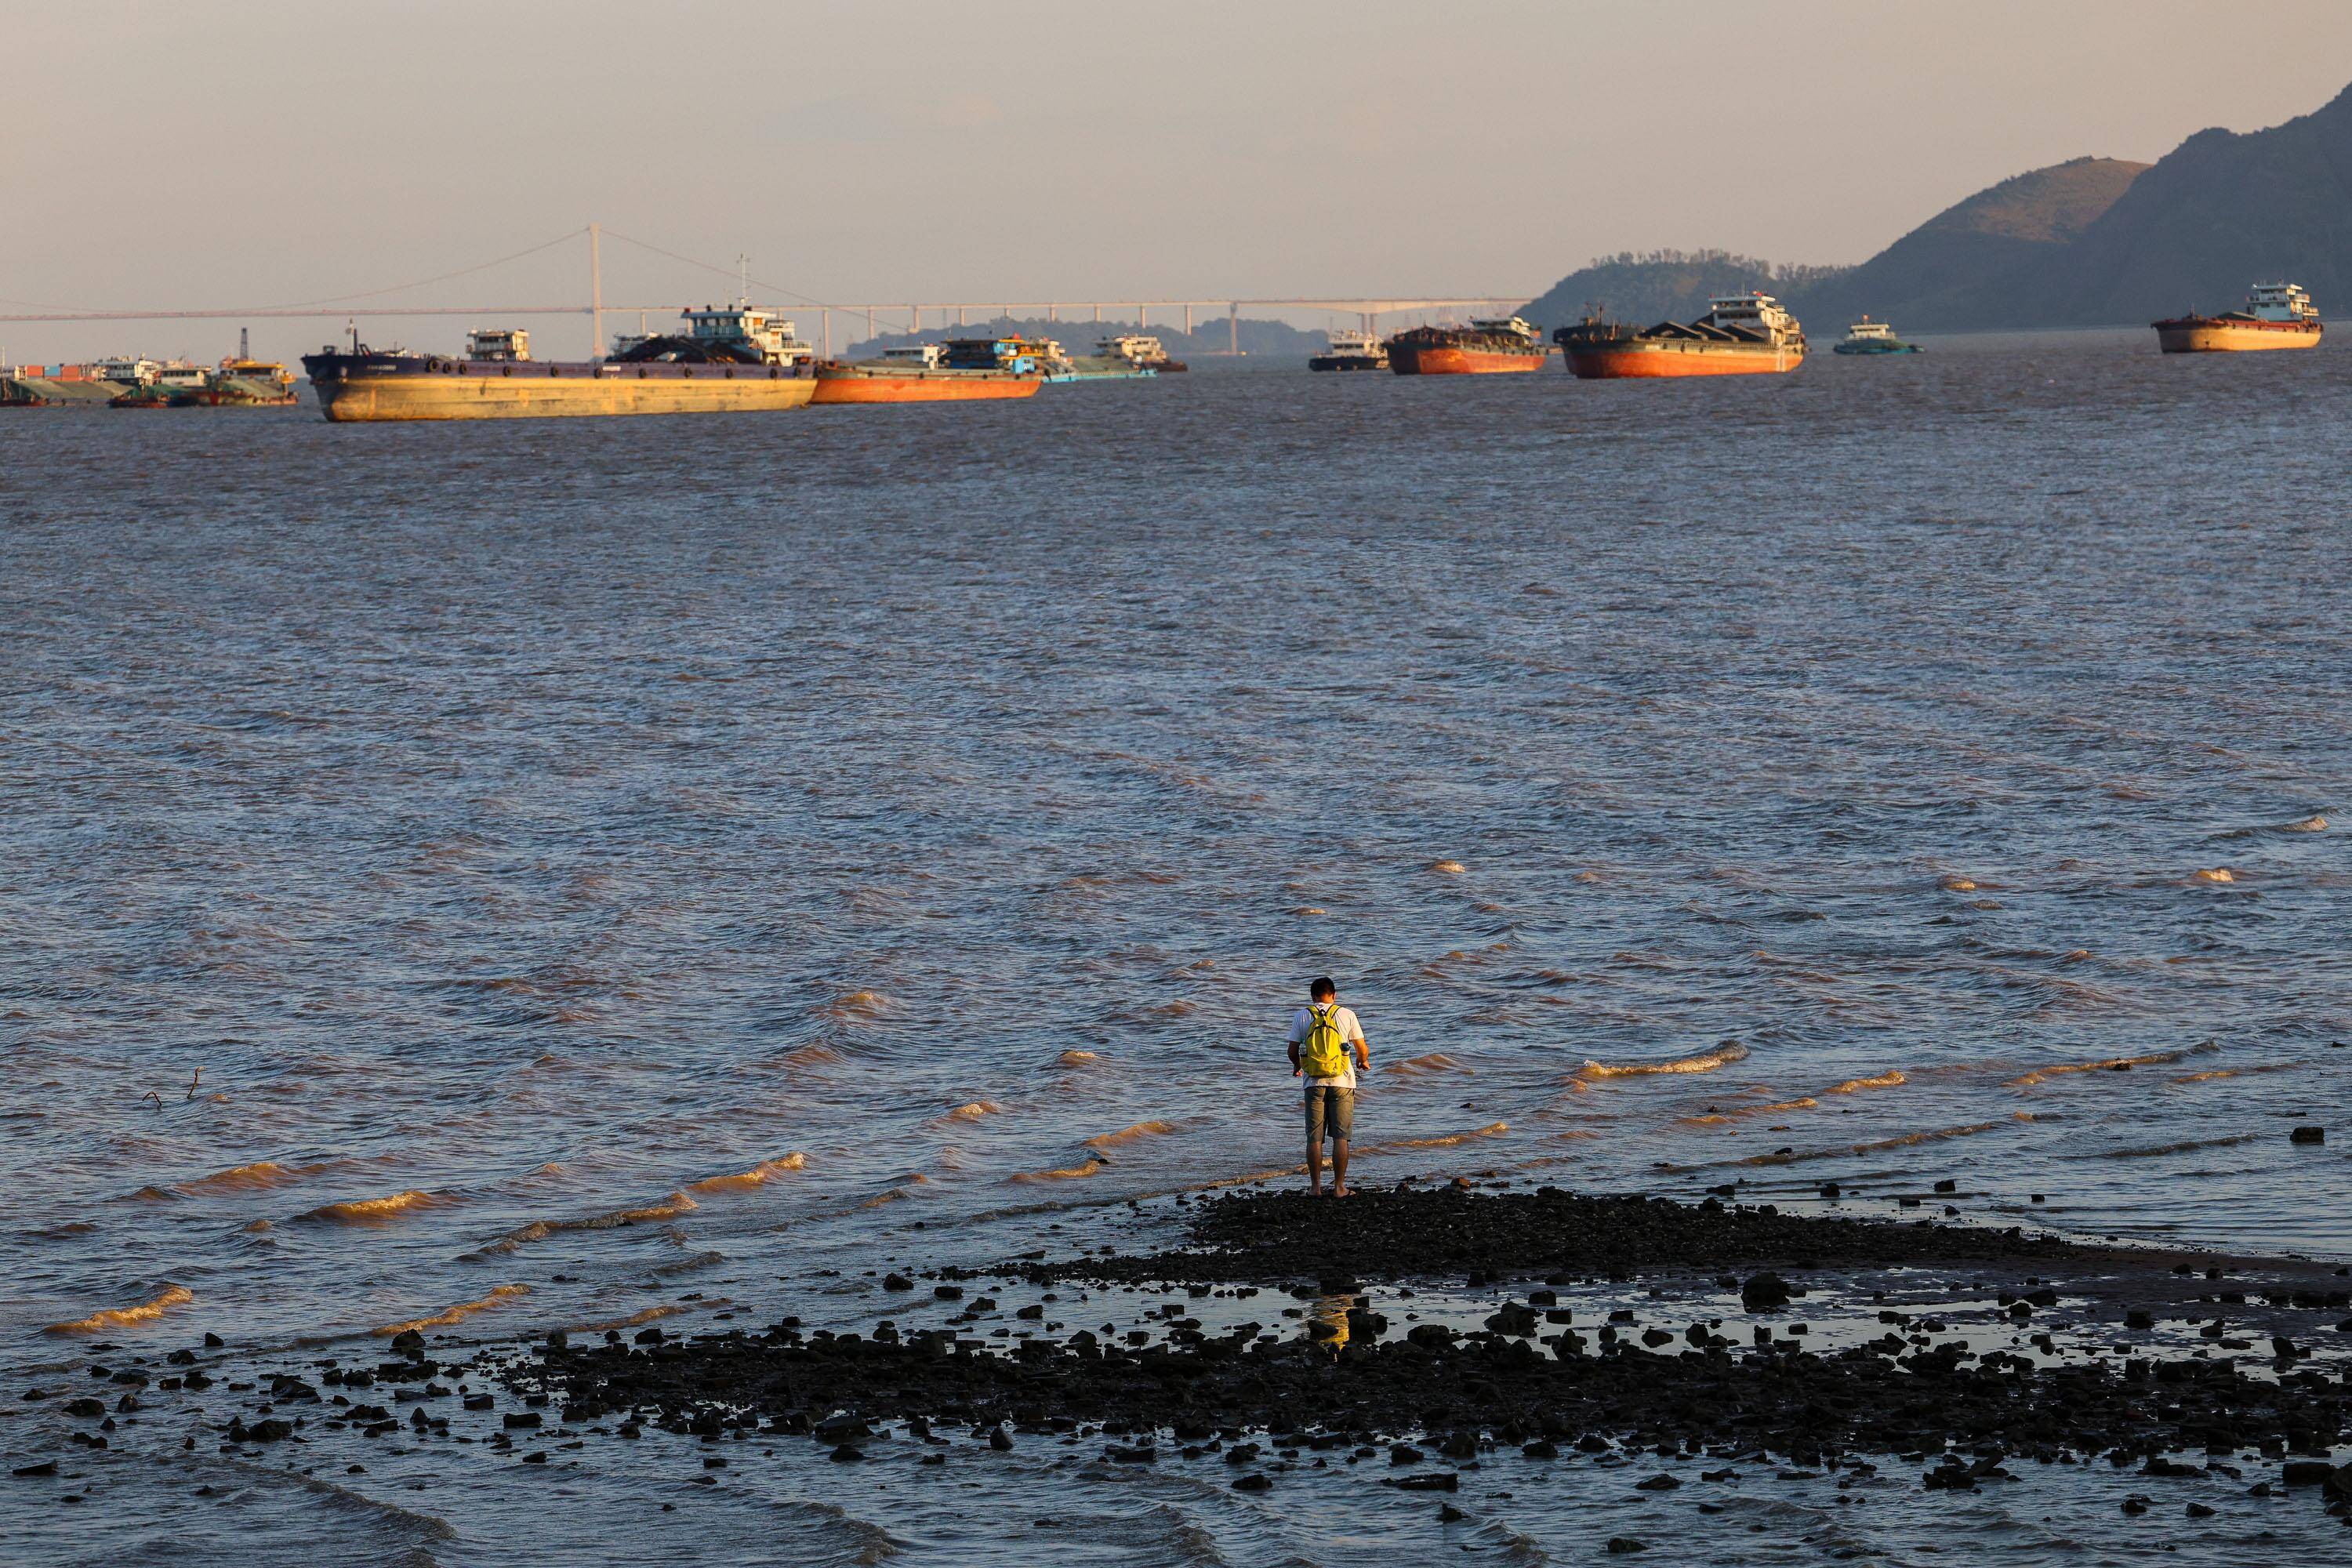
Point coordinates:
[(1407, 360), (2226, 335), (1639, 358), (860, 384)]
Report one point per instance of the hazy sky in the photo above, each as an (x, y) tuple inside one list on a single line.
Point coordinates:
[(259, 153)]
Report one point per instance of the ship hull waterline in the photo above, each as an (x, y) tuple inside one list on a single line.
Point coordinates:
[(1657, 360), (2193, 337), (528, 390), (1409, 360), (853, 385)]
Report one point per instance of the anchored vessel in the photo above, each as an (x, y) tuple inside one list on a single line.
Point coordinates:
[(1483, 348), (959, 369), (240, 381), (1741, 334), (1869, 337), (732, 358), (1351, 351), (2277, 316), (1125, 357)]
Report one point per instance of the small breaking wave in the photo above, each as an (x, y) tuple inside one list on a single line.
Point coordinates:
[(376, 1211), (2109, 1064), (1067, 1173), (744, 1181), (670, 1207), (124, 1317), (255, 1177), (1888, 1079), (1741, 1112), (1435, 1061), (1142, 1130), (456, 1314), (2209, 1075), (1723, 1055), (1443, 1140), (860, 1006), (1446, 867), (972, 1111), (1077, 1059)]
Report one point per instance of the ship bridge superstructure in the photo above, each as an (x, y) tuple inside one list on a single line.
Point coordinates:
[(2281, 303)]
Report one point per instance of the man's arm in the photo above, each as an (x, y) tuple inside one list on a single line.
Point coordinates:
[(1363, 1048), (1294, 1069)]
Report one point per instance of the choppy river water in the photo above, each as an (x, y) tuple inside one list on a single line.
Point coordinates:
[(556, 872)]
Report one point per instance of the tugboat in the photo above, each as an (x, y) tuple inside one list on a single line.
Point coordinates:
[(1741, 334), (1351, 351), (2277, 316), (1869, 337), (1496, 345), (959, 369)]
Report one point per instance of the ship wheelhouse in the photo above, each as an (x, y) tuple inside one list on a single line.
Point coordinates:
[(501, 345), (2281, 303), (743, 326)]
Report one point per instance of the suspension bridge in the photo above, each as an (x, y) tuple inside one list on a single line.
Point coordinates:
[(876, 318)]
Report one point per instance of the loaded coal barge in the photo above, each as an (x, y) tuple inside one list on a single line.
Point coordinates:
[(1741, 334), (731, 359), (1500, 346), (959, 370)]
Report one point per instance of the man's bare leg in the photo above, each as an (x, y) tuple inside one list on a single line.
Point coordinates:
[(1314, 1166), (1339, 1167)]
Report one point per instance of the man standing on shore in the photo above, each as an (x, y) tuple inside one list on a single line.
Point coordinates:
[(1327, 1050)]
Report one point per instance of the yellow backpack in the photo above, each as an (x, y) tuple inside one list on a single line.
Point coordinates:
[(1324, 1052)]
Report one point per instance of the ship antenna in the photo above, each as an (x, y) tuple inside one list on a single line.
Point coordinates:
[(743, 272)]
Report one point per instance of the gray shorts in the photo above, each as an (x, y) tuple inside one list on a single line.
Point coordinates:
[(1331, 1107)]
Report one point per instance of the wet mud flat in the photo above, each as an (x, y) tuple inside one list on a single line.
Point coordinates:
[(1421, 1403)]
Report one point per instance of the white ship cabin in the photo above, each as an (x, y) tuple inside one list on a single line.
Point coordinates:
[(508, 344), (1510, 325), (2281, 303), (916, 357), (777, 341), (623, 342), (1867, 330), (1347, 341), (131, 371), (1132, 347), (179, 373), (1758, 313)]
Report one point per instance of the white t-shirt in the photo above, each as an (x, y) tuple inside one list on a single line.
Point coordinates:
[(1349, 1030)]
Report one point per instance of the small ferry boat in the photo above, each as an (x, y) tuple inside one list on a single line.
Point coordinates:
[(1351, 350), (1493, 346), (2277, 316), (959, 369), (1869, 337), (1741, 334)]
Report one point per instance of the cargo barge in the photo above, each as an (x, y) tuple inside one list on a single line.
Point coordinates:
[(2277, 316), (959, 370), (1498, 346), (1128, 356), (731, 359), (133, 381), (1741, 334)]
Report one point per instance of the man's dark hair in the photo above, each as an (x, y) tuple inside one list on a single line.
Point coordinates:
[(1321, 989)]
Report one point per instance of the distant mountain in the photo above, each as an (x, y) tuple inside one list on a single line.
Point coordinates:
[(1272, 339), (1970, 264), (2091, 242), (2220, 212), (1664, 285)]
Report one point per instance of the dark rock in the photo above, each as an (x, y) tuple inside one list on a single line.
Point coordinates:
[(1762, 1292), (897, 1282), (1252, 1482), (1437, 1481), (46, 1467), (2308, 1135), (1621, 1545), (1660, 1483)]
